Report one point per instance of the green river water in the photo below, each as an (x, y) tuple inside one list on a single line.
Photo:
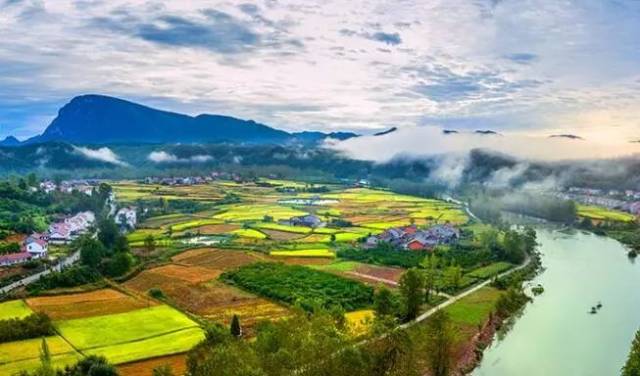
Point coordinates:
[(556, 335)]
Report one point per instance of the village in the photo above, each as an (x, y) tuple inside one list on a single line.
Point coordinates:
[(624, 200)]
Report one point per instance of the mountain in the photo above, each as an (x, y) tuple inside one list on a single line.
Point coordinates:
[(568, 136), (313, 137), (10, 141), (98, 119), (388, 131)]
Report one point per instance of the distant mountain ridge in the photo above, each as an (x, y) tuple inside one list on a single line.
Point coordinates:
[(99, 119)]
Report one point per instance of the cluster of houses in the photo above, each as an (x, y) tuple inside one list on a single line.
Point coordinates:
[(68, 186), (192, 180), (308, 220), (70, 228), (628, 200), (36, 245), (415, 239)]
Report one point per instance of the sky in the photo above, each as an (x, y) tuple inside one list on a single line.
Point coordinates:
[(525, 68)]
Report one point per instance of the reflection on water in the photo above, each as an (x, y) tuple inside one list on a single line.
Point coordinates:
[(556, 334)]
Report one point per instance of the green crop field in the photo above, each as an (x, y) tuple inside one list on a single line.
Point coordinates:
[(490, 270), (108, 330), (604, 214), (14, 309), (167, 344), (296, 284), (474, 309), (193, 224), (141, 234)]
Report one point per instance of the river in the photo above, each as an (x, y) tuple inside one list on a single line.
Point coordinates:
[(555, 334)]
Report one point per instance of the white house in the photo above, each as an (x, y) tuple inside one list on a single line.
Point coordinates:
[(127, 217), (36, 245)]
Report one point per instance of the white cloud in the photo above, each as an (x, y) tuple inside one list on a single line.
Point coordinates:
[(103, 154), (164, 157), (161, 157), (432, 141)]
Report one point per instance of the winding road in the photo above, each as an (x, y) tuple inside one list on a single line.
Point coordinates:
[(68, 261)]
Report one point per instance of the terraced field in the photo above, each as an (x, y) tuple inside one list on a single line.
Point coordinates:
[(297, 264)]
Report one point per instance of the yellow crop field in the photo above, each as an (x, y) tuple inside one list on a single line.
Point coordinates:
[(603, 214), (14, 309), (240, 213), (25, 355), (304, 253)]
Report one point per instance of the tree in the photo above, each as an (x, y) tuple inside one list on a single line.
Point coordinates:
[(439, 344), (236, 330), (453, 277), (514, 247), (384, 302), (632, 366), (92, 365), (91, 251), (163, 370), (411, 286), (430, 265), (108, 232), (149, 244)]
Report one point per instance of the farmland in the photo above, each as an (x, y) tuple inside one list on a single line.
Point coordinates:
[(260, 267)]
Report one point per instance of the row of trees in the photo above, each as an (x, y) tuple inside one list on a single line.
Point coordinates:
[(33, 326)]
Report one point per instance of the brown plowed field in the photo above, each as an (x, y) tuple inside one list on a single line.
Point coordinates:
[(94, 303)]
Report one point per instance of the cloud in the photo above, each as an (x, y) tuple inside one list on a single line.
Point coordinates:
[(164, 157), (103, 154), (432, 141), (522, 57), (209, 29), (543, 69), (392, 39), (161, 157)]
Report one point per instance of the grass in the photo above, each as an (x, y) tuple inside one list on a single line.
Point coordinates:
[(167, 344), (14, 309), (304, 253), (108, 330), (473, 310), (25, 355), (490, 270), (604, 214)]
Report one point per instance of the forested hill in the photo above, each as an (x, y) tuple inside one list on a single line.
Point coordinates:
[(99, 119), (482, 168)]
